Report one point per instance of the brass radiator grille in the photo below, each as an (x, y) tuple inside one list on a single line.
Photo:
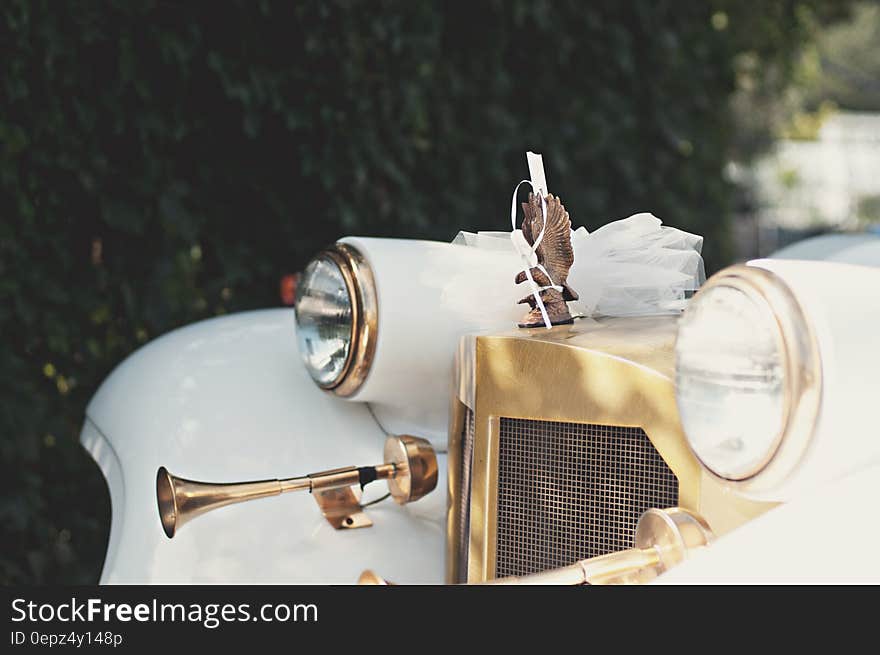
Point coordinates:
[(569, 491), (464, 494)]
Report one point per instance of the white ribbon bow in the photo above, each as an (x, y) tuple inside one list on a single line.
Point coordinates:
[(527, 253)]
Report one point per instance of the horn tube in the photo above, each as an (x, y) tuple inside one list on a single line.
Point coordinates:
[(663, 539), (410, 469)]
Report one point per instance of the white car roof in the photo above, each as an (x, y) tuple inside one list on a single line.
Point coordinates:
[(862, 248)]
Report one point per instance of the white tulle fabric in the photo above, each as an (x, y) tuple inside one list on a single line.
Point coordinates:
[(631, 267)]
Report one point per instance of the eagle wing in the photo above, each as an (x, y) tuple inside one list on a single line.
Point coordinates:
[(531, 218), (554, 251)]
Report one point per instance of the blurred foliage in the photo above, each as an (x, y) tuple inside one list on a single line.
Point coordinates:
[(836, 68), (805, 125), (163, 162), (775, 66), (868, 210), (842, 65)]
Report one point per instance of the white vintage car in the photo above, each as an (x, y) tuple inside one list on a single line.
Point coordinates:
[(738, 442)]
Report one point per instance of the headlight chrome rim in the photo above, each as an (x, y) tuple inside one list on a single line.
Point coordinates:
[(361, 287), (803, 378)]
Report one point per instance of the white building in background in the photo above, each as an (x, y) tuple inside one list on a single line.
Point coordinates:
[(820, 184), (813, 186)]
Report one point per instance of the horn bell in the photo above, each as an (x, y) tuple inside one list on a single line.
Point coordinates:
[(181, 500)]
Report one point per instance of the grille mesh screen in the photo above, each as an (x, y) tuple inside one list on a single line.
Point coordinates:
[(464, 495), (569, 491)]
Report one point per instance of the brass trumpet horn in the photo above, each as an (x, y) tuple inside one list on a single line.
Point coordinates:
[(410, 467)]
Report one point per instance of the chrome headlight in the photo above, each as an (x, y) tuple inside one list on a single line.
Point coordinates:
[(336, 319), (747, 376)]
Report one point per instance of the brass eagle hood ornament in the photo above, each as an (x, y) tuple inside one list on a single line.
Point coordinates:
[(555, 256)]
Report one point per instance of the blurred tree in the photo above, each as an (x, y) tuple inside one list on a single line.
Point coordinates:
[(165, 162), (842, 65), (775, 65)]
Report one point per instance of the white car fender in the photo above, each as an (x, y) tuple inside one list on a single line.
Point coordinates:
[(228, 400), (826, 537)]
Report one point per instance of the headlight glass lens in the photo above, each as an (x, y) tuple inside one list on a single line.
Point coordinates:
[(730, 380), (324, 320)]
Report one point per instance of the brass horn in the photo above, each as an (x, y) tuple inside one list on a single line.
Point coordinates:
[(663, 539), (410, 468)]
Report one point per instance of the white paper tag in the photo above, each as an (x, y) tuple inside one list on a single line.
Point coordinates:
[(536, 172)]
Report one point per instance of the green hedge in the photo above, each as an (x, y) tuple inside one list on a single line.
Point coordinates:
[(165, 162)]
